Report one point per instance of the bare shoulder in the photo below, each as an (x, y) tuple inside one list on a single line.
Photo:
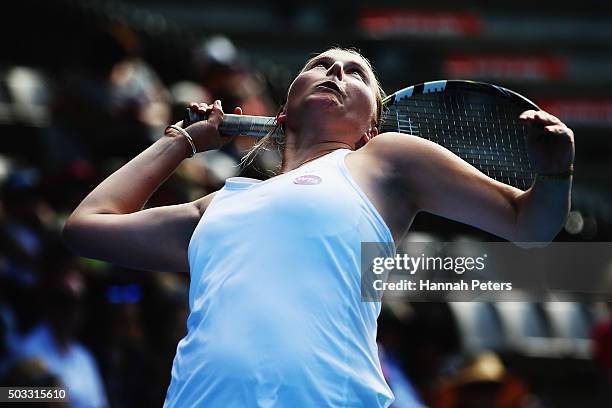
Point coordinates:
[(390, 158), (401, 160), (399, 149)]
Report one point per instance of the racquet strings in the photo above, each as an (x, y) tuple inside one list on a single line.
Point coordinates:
[(483, 129)]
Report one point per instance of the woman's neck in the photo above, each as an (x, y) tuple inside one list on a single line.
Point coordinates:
[(293, 160), (294, 157), (308, 145)]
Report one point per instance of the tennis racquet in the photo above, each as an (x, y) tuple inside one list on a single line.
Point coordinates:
[(479, 122)]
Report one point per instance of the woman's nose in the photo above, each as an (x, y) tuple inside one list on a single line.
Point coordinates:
[(336, 69)]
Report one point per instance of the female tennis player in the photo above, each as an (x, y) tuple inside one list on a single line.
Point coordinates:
[(276, 317)]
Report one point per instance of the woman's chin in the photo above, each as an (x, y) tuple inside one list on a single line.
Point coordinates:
[(324, 100)]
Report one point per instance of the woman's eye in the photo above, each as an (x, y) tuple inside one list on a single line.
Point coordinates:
[(357, 73)]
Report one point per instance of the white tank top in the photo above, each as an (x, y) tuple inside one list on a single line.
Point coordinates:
[(276, 316)]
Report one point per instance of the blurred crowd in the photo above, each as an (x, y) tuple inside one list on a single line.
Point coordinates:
[(109, 334)]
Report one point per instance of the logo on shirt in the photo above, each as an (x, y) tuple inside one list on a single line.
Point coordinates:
[(308, 179)]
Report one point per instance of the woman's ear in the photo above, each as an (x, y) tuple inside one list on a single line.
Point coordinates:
[(366, 137), (369, 135), (281, 116)]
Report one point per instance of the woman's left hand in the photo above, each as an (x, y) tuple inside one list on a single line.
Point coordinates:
[(551, 145)]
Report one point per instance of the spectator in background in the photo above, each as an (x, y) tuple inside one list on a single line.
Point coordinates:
[(54, 342), (137, 92), (226, 77), (108, 101), (481, 381)]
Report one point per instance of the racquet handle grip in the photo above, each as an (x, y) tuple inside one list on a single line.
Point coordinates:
[(238, 125)]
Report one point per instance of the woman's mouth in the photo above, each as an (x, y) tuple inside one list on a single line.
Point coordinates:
[(330, 86)]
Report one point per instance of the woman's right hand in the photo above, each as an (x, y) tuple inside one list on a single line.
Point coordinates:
[(205, 133)]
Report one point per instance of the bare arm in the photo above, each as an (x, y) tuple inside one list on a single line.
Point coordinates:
[(444, 184), (110, 224)]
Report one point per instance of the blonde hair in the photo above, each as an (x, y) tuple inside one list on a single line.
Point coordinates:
[(268, 142)]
